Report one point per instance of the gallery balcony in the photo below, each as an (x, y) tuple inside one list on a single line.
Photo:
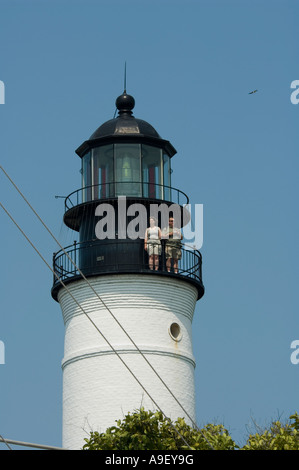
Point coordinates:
[(96, 258)]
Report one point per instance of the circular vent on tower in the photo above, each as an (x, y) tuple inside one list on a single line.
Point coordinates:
[(175, 331)]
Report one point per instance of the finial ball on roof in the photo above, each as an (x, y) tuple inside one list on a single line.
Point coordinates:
[(125, 103)]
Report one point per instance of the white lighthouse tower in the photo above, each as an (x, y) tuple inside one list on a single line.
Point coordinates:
[(128, 324)]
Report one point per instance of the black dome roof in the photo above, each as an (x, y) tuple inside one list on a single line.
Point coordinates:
[(125, 122), (125, 126)]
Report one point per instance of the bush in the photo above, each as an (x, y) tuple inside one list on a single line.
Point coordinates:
[(148, 430)]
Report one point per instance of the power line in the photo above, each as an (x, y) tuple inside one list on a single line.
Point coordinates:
[(75, 300), (5, 441), (28, 444), (101, 300)]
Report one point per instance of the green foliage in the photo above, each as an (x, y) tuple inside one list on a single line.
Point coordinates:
[(278, 437), (147, 430)]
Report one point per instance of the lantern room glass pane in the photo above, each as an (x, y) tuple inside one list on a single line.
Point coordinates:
[(86, 177), (167, 177), (152, 172), (127, 169), (103, 172)]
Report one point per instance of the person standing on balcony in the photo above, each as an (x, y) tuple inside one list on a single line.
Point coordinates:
[(173, 245), (152, 244)]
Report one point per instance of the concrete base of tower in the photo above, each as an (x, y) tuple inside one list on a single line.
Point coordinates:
[(147, 323)]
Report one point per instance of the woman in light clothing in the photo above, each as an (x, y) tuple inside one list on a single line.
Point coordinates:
[(152, 243)]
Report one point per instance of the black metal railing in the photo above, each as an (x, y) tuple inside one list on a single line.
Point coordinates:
[(122, 256), (136, 189)]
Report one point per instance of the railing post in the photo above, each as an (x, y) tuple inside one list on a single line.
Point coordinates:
[(75, 255), (54, 269), (163, 255)]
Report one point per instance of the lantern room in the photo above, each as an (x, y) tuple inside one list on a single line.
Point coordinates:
[(126, 169), (126, 157)]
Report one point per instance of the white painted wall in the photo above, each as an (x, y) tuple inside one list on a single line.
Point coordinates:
[(97, 387)]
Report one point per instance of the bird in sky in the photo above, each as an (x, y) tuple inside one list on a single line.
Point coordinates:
[(251, 92)]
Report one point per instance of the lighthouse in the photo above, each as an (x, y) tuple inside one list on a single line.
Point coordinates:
[(128, 288)]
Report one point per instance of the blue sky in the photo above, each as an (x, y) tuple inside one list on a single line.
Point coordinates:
[(190, 67)]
